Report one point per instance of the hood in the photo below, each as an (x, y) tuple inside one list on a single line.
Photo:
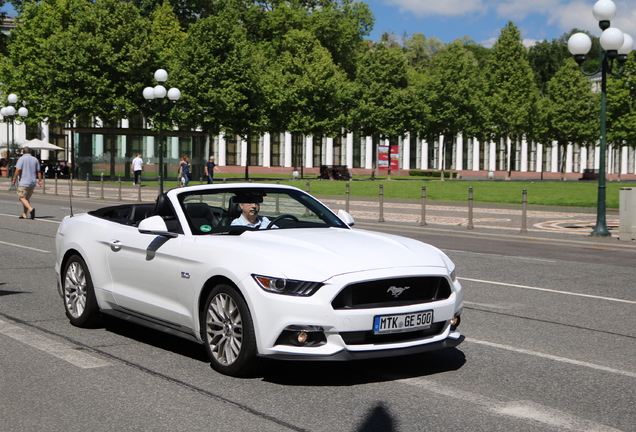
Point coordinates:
[(318, 254)]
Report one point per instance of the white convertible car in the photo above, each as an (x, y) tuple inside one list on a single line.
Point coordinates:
[(305, 286)]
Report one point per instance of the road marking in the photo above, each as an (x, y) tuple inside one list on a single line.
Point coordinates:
[(553, 357), (526, 410), (25, 247), (501, 256), (550, 290), (64, 352)]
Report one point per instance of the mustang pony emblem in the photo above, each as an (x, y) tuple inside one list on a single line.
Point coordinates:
[(396, 291)]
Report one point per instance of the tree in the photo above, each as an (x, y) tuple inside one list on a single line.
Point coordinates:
[(453, 92), (545, 59), (512, 93), (306, 91), (384, 102), (571, 110), (218, 69), (419, 50)]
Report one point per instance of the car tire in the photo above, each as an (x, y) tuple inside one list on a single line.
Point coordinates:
[(228, 332), (79, 294)]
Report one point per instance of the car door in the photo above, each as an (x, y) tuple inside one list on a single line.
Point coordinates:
[(145, 270)]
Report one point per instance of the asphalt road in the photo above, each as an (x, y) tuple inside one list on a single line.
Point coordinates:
[(550, 344)]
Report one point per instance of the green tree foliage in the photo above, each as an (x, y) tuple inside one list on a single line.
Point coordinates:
[(218, 72), (570, 110), (419, 50), (621, 104), (511, 93), (306, 91), (72, 58), (454, 93), (382, 92)]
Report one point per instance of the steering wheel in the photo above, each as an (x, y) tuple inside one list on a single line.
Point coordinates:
[(283, 216)]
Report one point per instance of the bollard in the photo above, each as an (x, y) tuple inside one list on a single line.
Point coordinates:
[(139, 192), (88, 195), (423, 219), (119, 180), (347, 194), (44, 185), (524, 216), (55, 183), (307, 187), (101, 180), (381, 218), (200, 182), (470, 208)]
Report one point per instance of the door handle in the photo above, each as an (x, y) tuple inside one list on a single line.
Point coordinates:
[(115, 245)]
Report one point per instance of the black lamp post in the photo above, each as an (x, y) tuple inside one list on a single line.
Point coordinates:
[(159, 92), (615, 46), (9, 113)]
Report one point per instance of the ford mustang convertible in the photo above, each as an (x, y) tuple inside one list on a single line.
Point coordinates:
[(257, 271)]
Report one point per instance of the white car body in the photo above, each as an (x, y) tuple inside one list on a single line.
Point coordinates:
[(161, 279)]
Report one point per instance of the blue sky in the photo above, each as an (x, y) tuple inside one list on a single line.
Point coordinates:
[(482, 20)]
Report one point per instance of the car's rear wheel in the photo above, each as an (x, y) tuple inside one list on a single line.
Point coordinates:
[(229, 332), (79, 295)]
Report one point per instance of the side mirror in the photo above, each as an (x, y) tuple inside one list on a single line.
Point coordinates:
[(346, 217), (155, 225)]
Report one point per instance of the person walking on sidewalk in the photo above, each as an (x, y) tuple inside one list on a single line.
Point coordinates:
[(210, 166), (137, 166), (27, 170), (184, 170)]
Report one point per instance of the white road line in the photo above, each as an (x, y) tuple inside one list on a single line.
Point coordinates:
[(550, 290), (526, 410), (501, 256), (553, 357), (64, 352), (25, 247)]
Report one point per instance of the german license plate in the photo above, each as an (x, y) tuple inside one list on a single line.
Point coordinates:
[(403, 322)]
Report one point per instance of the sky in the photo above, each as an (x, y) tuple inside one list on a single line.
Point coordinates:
[(482, 20)]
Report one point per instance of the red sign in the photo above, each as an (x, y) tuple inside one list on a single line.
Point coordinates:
[(384, 159)]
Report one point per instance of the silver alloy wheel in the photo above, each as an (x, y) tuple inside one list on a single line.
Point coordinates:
[(75, 292), (224, 329)]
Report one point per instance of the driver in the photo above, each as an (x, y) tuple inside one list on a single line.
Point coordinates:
[(250, 205)]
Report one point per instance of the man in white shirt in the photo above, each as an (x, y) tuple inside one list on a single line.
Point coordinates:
[(137, 167), (250, 205)]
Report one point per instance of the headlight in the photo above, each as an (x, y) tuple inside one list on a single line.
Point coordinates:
[(287, 286)]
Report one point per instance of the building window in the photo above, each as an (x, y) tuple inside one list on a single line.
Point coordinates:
[(275, 150)]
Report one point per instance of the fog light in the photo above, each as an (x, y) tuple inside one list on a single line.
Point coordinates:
[(302, 337), (454, 323)]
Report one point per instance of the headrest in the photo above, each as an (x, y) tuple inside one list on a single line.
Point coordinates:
[(248, 197), (163, 206)]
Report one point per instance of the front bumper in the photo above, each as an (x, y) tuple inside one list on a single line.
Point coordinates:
[(452, 341)]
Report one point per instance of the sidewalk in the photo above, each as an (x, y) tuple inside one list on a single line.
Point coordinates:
[(549, 224)]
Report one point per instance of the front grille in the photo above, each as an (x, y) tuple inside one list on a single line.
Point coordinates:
[(392, 292), (367, 337)]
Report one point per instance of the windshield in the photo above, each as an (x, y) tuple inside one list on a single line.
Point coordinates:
[(233, 210)]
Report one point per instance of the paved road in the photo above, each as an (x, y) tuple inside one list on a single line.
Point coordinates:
[(550, 321)]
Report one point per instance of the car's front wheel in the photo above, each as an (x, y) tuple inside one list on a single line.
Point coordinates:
[(79, 295), (229, 332)]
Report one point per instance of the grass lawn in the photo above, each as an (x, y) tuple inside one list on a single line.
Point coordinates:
[(549, 193)]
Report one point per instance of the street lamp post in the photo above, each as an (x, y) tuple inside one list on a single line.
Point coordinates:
[(159, 92), (615, 46), (8, 113)]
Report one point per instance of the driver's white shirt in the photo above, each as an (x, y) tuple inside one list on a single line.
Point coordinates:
[(261, 223)]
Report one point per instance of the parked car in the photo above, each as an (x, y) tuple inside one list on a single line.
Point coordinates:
[(307, 286)]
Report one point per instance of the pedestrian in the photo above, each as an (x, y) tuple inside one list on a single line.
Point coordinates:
[(28, 171), (210, 166), (137, 165), (184, 170)]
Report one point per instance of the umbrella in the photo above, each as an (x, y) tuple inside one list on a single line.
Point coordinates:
[(35, 144)]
